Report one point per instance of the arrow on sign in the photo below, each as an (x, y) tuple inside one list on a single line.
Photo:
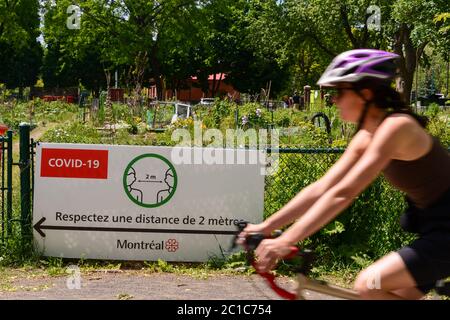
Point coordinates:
[(39, 227)]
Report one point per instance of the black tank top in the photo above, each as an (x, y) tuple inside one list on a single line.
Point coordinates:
[(424, 180)]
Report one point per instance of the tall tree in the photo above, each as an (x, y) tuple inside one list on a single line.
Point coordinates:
[(331, 27), (230, 45), (70, 60), (20, 51), (412, 28), (123, 30)]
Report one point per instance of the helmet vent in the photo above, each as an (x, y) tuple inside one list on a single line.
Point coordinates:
[(387, 67), (360, 55), (350, 71)]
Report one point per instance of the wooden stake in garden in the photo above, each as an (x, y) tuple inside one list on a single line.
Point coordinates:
[(141, 62), (109, 116)]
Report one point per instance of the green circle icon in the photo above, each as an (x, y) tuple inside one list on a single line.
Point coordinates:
[(150, 180)]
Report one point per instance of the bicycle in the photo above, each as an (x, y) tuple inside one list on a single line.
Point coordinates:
[(304, 282)]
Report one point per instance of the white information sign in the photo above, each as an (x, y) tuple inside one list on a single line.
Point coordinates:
[(137, 203)]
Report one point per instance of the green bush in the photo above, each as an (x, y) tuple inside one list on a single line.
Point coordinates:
[(432, 110), (35, 111), (282, 118), (213, 116), (253, 115), (73, 133), (439, 125)]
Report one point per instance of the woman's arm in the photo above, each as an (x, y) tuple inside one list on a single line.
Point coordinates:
[(390, 137), (309, 195), (386, 143)]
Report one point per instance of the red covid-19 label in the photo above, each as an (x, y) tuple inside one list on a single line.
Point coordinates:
[(74, 163)]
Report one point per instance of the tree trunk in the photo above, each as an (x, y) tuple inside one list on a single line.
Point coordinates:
[(213, 89), (219, 83), (203, 82), (156, 70), (448, 70), (409, 56)]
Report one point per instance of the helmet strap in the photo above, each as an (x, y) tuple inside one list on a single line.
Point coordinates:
[(363, 115), (367, 104)]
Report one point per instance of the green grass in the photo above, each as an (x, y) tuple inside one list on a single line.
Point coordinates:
[(57, 267), (36, 112)]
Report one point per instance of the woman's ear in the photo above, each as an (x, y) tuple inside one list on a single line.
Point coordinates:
[(367, 94)]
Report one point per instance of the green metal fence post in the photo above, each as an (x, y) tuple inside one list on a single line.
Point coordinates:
[(25, 180), (9, 164), (32, 155)]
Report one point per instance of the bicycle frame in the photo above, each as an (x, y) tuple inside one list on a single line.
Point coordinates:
[(305, 283)]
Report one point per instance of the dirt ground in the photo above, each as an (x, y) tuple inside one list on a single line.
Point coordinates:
[(125, 285)]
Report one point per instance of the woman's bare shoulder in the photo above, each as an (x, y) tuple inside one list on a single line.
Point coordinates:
[(400, 124), (401, 119), (412, 140)]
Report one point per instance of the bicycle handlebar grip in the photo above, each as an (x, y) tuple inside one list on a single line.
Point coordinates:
[(242, 225), (254, 239)]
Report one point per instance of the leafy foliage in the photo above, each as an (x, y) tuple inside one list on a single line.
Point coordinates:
[(20, 52)]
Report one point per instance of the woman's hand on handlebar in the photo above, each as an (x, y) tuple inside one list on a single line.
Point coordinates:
[(260, 228), (270, 251)]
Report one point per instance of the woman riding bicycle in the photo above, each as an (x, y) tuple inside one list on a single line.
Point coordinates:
[(390, 140)]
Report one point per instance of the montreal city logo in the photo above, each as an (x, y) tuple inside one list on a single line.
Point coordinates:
[(170, 245)]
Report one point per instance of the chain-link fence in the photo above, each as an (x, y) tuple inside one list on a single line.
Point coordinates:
[(297, 169), (16, 209), (5, 184)]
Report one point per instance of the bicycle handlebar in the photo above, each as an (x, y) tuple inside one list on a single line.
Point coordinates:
[(252, 241)]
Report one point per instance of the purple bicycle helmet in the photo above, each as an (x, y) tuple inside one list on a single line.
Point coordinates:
[(355, 65)]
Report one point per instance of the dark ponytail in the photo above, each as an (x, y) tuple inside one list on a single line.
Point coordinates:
[(385, 97), (389, 99)]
